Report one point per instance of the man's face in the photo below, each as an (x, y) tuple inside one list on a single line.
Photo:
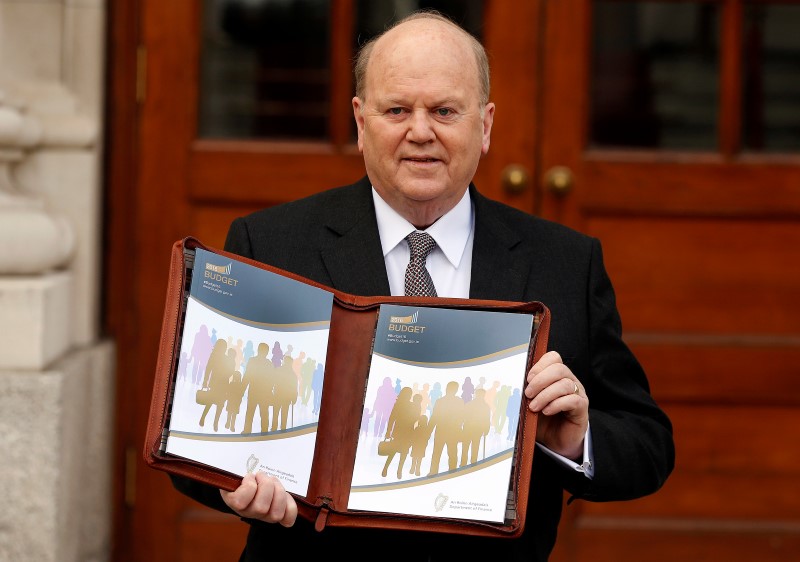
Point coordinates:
[(421, 127)]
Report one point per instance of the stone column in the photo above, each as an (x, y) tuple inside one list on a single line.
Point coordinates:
[(56, 372), (34, 246)]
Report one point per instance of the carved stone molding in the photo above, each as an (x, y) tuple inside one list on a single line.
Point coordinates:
[(32, 239)]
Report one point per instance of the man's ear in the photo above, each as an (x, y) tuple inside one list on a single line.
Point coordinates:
[(358, 113), (488, 120)]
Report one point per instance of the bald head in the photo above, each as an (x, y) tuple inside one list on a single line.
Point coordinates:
[(422, 122), (432, 20)]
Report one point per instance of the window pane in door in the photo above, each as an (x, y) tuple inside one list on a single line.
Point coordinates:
[(264, 69), (771, 53), (654, 75), (373, 17)]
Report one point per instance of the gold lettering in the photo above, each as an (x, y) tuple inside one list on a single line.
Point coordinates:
[(221, 278), (406, 328)]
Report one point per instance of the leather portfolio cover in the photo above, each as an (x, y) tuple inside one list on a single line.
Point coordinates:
[(347, 365)]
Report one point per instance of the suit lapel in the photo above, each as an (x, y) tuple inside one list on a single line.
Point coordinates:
[(355, 263), (354, 260), (498, 272)]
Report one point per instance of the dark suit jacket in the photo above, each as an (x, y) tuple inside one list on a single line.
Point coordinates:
[(332, 238)]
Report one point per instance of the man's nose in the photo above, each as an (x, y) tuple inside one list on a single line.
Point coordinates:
[(420, 127)]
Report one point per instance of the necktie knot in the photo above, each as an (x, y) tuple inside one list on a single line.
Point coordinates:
[(420, 244), (418, 280)]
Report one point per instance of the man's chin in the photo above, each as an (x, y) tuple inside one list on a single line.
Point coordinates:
[(423, 189)]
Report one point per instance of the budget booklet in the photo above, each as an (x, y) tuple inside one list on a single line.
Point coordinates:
[(440, 413), (374, 411), (248, 386)]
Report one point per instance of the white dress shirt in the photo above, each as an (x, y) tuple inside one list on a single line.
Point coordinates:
[(450, 267), (450, 263)]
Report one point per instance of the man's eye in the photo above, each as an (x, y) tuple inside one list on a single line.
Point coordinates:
[(444, 112), (396, 110)]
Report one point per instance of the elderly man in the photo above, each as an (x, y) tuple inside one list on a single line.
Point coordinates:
[(424, 121)]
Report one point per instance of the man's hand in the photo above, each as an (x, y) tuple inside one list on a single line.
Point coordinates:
[(262, 497), (556, 393)]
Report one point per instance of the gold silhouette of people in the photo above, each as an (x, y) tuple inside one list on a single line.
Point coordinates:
[(419, 443), (400, 428), (306, 378), (445, 423), (285, 393), (477, 420), (259, 379), (235, 394), (221, 365)]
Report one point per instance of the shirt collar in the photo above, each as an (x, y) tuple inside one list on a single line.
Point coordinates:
[(451, 231)]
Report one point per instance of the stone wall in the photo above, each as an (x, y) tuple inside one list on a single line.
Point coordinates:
[(56, 371)]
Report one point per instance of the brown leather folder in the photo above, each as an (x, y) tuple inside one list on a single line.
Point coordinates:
[(347, 364)]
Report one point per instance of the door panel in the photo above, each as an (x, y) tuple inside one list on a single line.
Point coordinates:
[(247, 172), (703, 354), (693, 541), (209, 222), (655, 274), (700, 234), (209, 535)]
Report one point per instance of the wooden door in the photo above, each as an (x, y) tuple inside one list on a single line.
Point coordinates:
[(212, 142), (694, 248), (665, 133)]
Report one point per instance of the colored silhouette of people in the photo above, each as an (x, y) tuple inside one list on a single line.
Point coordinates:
[(512, 412), (277, 355), (490, 395), (297, 367), (445, 423), (366, 415), (500, 404), (247, 353), (384, 400), (219, 368), (436, 393), (285, 394), (306, 378), (467, 390), (258, 380), (400, 428), (183, 366), (477, 418), (316, 386), (199, 354)]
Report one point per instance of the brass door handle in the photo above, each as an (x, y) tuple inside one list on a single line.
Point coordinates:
[(515, 179), (559, 180)]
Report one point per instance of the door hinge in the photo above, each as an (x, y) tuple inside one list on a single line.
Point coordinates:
[(130, 476), (141, 73)]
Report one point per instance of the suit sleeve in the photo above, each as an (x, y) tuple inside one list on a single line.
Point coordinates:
[(238, 239), (203, 493), (634, 451)]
